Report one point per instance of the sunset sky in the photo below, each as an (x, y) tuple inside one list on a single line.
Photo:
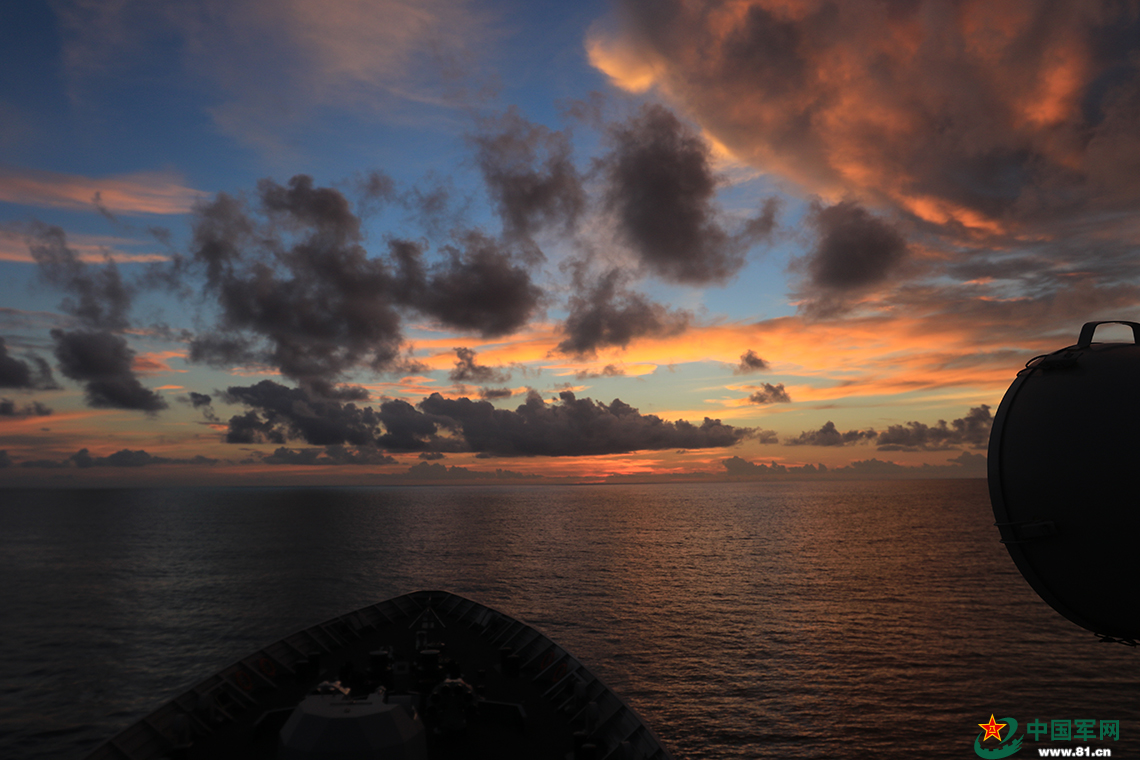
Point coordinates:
[(360, 241)]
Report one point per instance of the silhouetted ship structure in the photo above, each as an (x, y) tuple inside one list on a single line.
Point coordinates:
[(1062, 480), (423, 676)]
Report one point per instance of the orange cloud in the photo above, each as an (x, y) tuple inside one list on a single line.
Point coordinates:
[(154, 362), (992, 117), (141, 193)]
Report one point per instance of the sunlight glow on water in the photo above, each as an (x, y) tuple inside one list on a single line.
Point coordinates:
[(796, 620)]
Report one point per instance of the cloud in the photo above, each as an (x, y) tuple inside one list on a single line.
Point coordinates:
[(272, 66), (972, 430), (5, 460), (296, 288), (965, 465), (142, 193), (330, 455), (279, 414), (968, 114), (855, 249), (610, 370), (829, 436), (102, 362), (101, 298), (199, 400), (468, 371), (494, 394), (737, 467), (750, 362), (294, 413), (8, 408), (574, 427), (770, 394), (83, 459), (606, 313), (530, 175), (15, 373), (429, 471), (477, 288), (997, 140), (92, 249), (662, 189)]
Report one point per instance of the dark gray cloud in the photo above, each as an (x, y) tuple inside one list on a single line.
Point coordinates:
[(5, 460), (330, 455), (530, 175), (662, 188), (973, 430), (829, 436), (97, 295), (294, 285), (431, 456), (296, 288), (478, 287), (607, 313), (467, 370), (102, 362), (770, 394), (15, 373), (251, 428), (9, 408), (610, 370), (574, 427), (854, 249), (409, 430), (279, 413), (373, 189), (46, 464), (750, 362), (429, 471), (199, 400), (965, 465), (96, 355), (738, 467), (82, 459), (203, 402), (494, 394), (854, 252)]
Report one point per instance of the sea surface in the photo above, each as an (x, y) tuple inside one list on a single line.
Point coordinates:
[(741, 620)]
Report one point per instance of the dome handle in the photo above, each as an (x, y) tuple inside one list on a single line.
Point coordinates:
[(1085, 340)]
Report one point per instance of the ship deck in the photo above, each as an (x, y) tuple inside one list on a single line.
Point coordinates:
[(535, 699)]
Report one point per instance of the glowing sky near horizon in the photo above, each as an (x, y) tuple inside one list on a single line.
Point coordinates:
[(258, 241)]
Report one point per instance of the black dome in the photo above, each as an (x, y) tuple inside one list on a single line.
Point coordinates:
[(1064, 480)]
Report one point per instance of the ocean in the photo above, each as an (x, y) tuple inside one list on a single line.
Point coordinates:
[(741, 620)]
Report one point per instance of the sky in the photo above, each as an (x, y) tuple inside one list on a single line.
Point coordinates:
[(375, 241)]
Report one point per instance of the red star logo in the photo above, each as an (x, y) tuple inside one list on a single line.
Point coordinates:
[(992, 729)]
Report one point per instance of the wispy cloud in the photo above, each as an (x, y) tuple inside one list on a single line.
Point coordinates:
[(91, 249), (140, 193), (272, 64)]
